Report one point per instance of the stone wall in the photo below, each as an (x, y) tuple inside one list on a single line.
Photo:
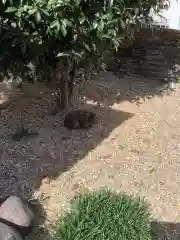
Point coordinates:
[(154, 55)]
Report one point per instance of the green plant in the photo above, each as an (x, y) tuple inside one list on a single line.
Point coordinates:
[(23, 132), (103, 215), (66, 35)]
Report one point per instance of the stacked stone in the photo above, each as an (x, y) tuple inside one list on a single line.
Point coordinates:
[(16, 218)]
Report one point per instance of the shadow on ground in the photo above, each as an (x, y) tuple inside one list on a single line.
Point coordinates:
[(165, 230), (24, 164), (39, 230), (108, 89)]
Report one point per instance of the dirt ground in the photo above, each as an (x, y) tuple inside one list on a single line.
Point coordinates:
[(134, 148)]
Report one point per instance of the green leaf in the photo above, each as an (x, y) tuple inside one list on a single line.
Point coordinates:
[(106, 36), (95, 25), (63, 30), (111, 3), (116, 44), (112, 32), (77, 54), (87, 47), (11, 9), (94, 47), (82, 20), (66, 22), (62, 54), (38, 17), (55, 24), (136, 11), (13, 24), (112, 21), (101, 25), (44, 12), (123, 25)]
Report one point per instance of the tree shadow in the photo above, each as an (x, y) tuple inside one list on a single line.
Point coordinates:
[(165, 230), (24, 164), (108, 89), (39, 230)]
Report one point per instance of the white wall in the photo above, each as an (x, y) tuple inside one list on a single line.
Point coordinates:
[(173, 14)]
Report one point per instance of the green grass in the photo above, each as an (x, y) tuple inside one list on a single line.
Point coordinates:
[(104, 215)]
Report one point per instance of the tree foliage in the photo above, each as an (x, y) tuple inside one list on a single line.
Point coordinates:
[(67, 32)]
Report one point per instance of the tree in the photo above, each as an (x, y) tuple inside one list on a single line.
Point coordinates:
[(67, 34)]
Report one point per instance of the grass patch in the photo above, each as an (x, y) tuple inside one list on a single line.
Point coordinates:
[(104, 215)]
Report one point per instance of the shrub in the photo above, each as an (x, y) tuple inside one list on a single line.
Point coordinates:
[(103, 215)]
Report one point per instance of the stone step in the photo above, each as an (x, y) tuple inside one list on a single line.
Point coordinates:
[(142, 61), (146, 72), (151, 77), (149, 67), (145, 67), (156, 67), (159, 58)]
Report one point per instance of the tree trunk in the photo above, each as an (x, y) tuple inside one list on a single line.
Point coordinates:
[(72, 78), (64, 91), (2, 8), (63, 78), (88, 71)]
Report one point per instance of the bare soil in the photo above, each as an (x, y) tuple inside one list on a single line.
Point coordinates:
[(134, 148)]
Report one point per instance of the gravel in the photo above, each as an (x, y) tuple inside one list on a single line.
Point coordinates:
[(134, 148)]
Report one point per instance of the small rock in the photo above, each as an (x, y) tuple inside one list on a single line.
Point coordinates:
[(2, 200), (46, 180), (9, 233), (172, 85), (15, 211), (79, 119)]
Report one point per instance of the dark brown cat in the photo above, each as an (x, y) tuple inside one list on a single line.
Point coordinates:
[(79, 119)]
